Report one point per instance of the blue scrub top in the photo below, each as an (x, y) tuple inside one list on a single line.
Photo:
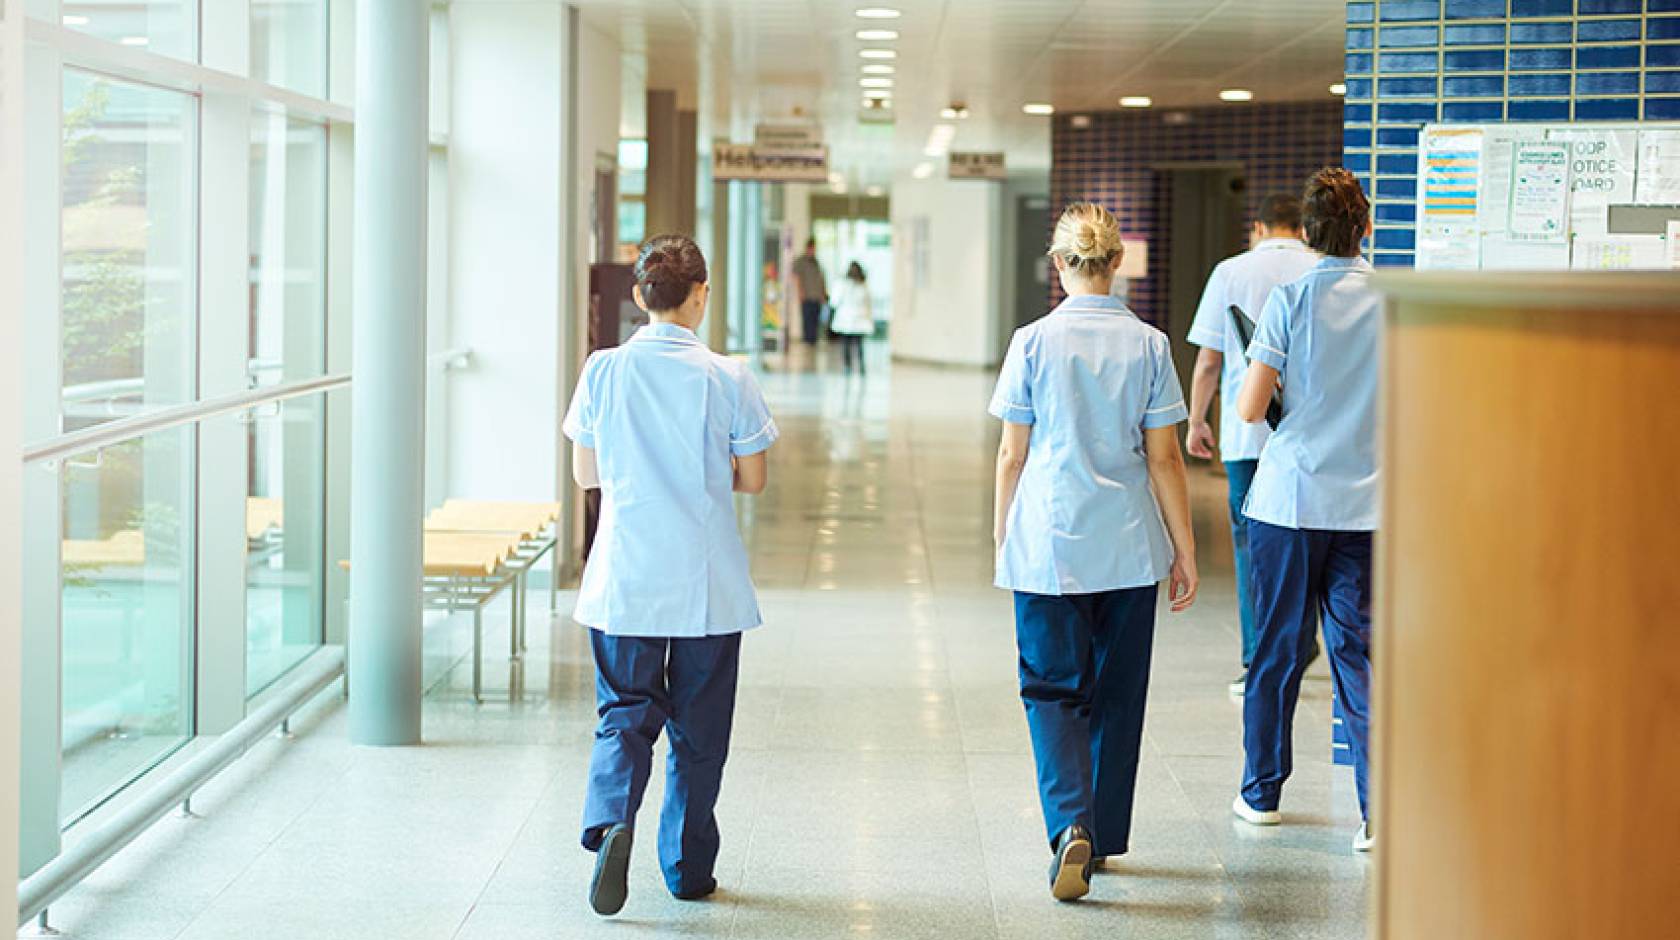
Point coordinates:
[(1322, 333), (664, 415), (1245, 281), (1089, 378)]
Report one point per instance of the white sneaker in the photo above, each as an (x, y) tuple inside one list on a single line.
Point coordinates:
[(1364, 840), (1252, 816)]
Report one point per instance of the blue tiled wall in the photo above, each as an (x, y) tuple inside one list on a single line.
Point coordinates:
[(1415, 62)]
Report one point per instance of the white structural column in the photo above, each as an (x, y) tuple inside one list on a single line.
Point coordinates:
[(389, 364)]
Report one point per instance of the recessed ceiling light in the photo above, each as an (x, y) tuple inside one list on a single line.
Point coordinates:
[(1338, 89), (878, 69), (1039, 108), (74, 19), (922, 171), (1236, 94), (877, 54), (877, 13), (875, 82), (135, 41), (877, 35), (1136, 101)]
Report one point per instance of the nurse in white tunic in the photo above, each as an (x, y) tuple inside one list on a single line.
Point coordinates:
[(669, 431)]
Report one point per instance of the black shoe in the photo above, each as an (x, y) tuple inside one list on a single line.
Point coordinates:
[(695, 894), (1070, 870), (611, 883)]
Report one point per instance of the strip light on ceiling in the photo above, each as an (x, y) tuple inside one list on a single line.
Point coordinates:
[(1338, 89), (923, 170), (1136, 101), (1039, 108), (875, 68), (939, 140), (877, 54), (878, 13), (877, 35), (1236, 94)]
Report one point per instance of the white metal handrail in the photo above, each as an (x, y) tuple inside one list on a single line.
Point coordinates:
[(104, 435)]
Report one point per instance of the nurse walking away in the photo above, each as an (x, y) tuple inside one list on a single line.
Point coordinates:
[(1313, 506), (1279, 256), (667, 430), (1088, 467)]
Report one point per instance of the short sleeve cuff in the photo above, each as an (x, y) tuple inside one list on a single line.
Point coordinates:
[(1260, 352), (1009, 411), (1209, 339), (757, 443), (1167, 416), (578, 434)]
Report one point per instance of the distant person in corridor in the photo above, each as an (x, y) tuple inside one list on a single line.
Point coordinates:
[(1088, 469), (1279, 255), (1313, 507), (813, 291), (669, 431), (854, 317)]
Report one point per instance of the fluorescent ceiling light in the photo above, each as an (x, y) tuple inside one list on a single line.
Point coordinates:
[(878, 13), (877, 54), (954, 113), (75, 19), (1136, 101), (1236, 94), (922, 171), (877, 69), (875, 192), (1338, 89), (1039, 108), (872, 82), (877, 93), (877, 35), (135, 41)]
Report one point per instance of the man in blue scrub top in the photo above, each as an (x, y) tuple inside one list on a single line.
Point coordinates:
[(669, 431), (1313, 507), (1279, 256)]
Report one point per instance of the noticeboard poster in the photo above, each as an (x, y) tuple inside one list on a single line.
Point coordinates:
[(1534, 196)]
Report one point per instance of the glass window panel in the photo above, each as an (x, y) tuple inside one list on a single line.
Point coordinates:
[(289, 44), (127, 340), (286, 460), (127, 612), (129, 249), (167, 27)]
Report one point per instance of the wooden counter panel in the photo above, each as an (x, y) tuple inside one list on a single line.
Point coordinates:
[(1528, 628)]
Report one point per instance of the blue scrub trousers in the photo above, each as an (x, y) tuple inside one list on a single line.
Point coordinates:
[(1084, 677), (687, 687), (1239, 476), (1297, 573)]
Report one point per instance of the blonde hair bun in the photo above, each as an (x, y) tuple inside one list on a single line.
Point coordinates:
[(1087, 237)]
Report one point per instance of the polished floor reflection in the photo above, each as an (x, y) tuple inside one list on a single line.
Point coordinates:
[(881, 783)]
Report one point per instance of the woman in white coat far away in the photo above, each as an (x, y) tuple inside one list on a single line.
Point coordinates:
[(854, 317)]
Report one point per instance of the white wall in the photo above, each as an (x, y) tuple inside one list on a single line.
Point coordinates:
[(949, 312), (505, 237)]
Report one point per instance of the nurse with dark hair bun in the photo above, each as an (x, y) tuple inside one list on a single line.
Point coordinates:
[(668, 431)]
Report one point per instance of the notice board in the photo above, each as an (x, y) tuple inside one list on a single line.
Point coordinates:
[(1549, 196)]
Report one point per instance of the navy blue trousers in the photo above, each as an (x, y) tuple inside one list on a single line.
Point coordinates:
[(1239, 476), (686, 687), (1084, 677), (1297, 573)]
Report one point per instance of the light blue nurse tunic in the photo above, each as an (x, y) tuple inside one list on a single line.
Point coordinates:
[(664, 415), (1244, 281), (1089, 378), (1319, 469)]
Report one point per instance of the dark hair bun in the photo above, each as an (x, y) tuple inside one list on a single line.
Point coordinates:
[(667, 269)]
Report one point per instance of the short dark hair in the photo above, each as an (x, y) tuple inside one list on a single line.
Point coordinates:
[(1280, 211), (855, 272), (811, 242), (667, 269), (1335, 212)]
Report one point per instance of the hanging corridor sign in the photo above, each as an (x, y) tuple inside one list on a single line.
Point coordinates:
[(751, 163)]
